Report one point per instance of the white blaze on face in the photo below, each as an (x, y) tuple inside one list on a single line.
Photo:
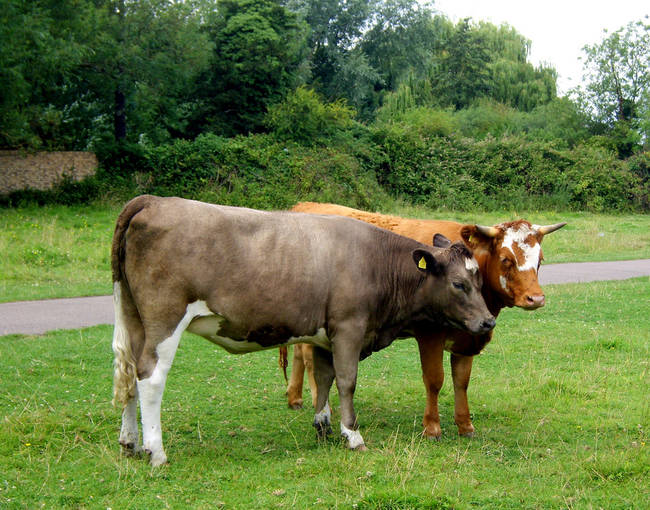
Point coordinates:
[(471, 265), (531, 253)]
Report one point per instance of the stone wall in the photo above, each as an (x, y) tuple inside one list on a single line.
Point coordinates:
[(42, 170)]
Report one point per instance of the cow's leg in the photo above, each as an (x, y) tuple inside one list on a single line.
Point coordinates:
[(433, 375), (461, 370), (153, 366), (346, 363), (129, 433), (324, 376), (308, 358), (294, 389), (128, 324)]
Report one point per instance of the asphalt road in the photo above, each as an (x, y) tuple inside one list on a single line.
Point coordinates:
[(36, 317)]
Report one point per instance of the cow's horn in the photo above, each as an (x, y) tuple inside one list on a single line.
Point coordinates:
[(547, 229), (487, 231)]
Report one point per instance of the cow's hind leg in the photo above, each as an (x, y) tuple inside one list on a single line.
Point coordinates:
[(324, 376), (308, 358), (128, 340), (294, 389), (129, 433), (153, 366)]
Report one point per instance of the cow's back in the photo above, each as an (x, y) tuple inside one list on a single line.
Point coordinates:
[(420, 230), (244, 262)]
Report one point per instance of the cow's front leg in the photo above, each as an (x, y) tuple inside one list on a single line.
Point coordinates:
[(346, 363), (324, 376), (129, 433), (461, 370), (433, 375)]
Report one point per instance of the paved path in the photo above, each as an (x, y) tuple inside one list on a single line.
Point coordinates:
[(36, 317)]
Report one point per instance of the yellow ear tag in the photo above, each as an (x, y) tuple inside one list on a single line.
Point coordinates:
[(422, 264), (471, 238)]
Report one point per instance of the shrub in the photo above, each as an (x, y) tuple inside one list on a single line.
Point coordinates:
[(305, 118)]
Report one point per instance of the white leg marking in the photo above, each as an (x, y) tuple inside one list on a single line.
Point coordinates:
[(151, 389), (353, 436), (129, 433), (324, 417)]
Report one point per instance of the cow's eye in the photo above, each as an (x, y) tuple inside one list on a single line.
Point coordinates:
[(506, 263), (459, 286)]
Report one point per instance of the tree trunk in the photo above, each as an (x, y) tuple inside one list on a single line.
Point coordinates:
[(119, 119)]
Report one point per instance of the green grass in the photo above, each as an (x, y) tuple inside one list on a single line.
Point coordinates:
[(59, 251), (55, 251), (559, 400)]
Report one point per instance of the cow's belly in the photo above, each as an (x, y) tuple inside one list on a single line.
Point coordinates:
[(213, 327)]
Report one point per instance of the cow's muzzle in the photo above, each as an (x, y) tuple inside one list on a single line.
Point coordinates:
[(534, 302), (481, 327)]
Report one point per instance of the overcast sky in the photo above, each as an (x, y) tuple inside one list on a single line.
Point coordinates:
[(558, 29)]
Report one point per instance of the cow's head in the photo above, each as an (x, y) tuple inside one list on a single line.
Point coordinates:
[(452, 286), (510, 255)]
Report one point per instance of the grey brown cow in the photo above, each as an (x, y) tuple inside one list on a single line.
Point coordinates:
[(249, 280)]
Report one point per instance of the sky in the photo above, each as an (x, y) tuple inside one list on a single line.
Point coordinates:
[(558, 29)]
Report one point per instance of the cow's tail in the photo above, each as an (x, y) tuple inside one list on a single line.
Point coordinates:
[(124, 375), (282, 361)]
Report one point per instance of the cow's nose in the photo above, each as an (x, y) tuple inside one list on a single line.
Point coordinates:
[(488, 324), (535, 301)]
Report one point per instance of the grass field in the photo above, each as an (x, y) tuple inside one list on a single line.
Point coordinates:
[(559, 400), (59, 251)]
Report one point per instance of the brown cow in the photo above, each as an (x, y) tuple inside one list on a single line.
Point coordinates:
[(250, 280), (508, 254)]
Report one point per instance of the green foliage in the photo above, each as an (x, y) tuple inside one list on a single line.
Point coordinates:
[(493, 173), (41, 47), (304, 118), (617, 92), (260, 171), (258, 51)]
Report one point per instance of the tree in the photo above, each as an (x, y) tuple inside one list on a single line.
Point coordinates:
[(76, 71), (147, 56), (257, 58), (617, 91), (339, 68), (513, 80), (41, 47)]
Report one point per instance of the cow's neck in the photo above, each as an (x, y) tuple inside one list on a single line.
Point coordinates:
[(492, 299)]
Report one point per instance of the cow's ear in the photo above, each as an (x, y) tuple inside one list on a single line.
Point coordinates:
[(474, 238), (441, 241), (426, 262)]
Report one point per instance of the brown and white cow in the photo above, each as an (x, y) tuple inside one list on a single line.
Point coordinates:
[(249, 280), (508, 255)]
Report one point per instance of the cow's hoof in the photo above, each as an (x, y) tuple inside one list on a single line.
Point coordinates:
[(295, 405), (467, 434), (323, 431), (433, 438), (131, 449), (157, 459), (361, 448)]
